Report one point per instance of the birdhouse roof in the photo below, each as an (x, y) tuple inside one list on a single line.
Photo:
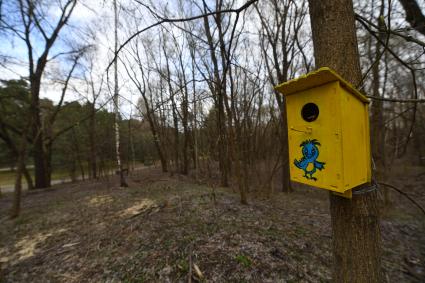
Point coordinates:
[(317, 78)]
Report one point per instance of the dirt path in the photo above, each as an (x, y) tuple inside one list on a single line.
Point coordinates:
[(10, 187), (164, 229)]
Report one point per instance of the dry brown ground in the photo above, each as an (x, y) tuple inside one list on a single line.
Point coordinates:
[(165, 229)]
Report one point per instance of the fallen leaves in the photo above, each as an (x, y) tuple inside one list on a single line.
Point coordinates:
[(108, 236)]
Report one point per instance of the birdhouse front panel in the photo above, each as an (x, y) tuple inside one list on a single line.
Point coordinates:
[(314, 135)]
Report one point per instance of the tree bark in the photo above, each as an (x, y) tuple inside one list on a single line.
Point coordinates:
[(28, 178), (92, 142), (20, 168), (355, 222), (123, 182), (217, 89), (378, 126), (40, 164)]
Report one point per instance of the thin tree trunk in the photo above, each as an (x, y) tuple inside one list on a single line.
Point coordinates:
[(16, 207), (92, 137), (286, 180), (355, 223), (195, 142), (377, 111), (217, 89), (131, 143), (123, 183), (20, 168), (378, 129), (78, 154), (28, 178), (185, 117), (176, 134), (156, 140)]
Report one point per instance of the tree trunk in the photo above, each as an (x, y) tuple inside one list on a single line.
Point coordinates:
[(355, 222), (123, 183), (217, 88), (40, 166), (92, 135), (131, 145), (194, 128), (377, 126), (186, 136), (185, 116), (176, 133), (16, 207), (28, 178), (286, 180), (20, 168), (77, 154)]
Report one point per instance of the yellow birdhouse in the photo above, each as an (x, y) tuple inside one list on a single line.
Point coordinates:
[(328, 132)]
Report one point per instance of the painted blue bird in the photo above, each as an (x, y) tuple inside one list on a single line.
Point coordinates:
[(310, 153)]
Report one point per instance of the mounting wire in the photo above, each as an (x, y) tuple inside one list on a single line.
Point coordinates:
[(372, 187), (366, 189)]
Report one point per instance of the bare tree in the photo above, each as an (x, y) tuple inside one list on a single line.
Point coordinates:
[(279, 41), (123, 182), (30, 18)]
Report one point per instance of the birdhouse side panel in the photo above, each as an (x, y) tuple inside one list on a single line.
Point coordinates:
[(315, 148), (355, 141)]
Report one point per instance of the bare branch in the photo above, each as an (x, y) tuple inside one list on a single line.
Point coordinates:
[(396, 100), (414, 15), (176, 20)]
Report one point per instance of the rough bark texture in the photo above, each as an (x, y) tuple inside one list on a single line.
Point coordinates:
[(40, 164), (355, 223)]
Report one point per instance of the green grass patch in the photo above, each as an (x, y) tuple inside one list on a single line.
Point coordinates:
[(183, 266), (243, 260)]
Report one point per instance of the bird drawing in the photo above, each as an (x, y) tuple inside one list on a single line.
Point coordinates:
[(308, 162)]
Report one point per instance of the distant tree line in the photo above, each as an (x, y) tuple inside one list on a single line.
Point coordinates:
[(82, 149)]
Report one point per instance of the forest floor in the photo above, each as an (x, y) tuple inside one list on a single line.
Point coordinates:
[(170, 229)]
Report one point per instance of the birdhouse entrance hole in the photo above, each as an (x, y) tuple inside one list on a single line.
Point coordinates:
[(310, 112)]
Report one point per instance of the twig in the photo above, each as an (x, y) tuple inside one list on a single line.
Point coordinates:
[(404, 194), (406, 37), (396, 100), (412, 71), (176, 20)]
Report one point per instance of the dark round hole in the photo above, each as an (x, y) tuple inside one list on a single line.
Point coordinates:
[(310, 112)]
